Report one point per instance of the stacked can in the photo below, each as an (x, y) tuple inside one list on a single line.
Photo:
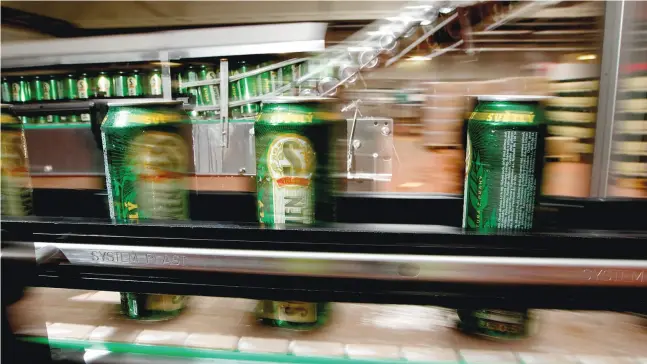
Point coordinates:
[(51, 91), (247, 89), (209, 94), (504, 159)]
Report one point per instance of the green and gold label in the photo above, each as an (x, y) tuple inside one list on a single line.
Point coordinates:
[(82, 86), (158, 161), (131, 82), (291, 164), (124, 117), (504, 117), (15, 91), (103, 84), (47, 91), (155, 84)]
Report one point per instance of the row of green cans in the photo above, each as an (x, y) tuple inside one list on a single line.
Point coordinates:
[(81, 86), (296, 155), (243, 89), (147, 154), (56, 118), (504, 161)]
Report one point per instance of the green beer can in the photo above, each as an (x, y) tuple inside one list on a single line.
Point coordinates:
[(119, 84), (6, 90), (295, 156), (151, 307), (498, 324), (51, 88), (147, 154), (36, 88), (264, 83), (134, 84), (210, 94), (70, 87), (504, 160), (191, 75), (20, 90), (154, 83), (102, 85), (247, 88), (16, 190), (83, 86)]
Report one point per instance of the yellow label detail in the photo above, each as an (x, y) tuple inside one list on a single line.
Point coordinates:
[(286, 117), (155, 118), (8, 119), (505, 117)]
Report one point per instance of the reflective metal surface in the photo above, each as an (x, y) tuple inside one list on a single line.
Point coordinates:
[(466, 269)]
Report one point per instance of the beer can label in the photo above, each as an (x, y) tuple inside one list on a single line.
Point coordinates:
[(292, 162), (132, 86), (159, 161), (103, 85), (15, 91), (60, 88), (47, 92), (155, 85), (85, 118), (50, 118), (82, 86)]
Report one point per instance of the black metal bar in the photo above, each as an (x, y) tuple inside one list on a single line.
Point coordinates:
[(333, 237), (381, 208), (344, 290)]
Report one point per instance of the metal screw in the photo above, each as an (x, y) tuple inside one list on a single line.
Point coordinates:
[(251, 131), (357, 143), (375, 155), (385, 130), (242, 171), (48, 168)]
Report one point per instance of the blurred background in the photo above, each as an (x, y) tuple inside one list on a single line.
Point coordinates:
[(406, 83), (493, 47)]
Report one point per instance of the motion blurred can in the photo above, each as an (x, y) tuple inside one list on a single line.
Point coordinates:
[(119, 84), (147, 159), (102, 85), (51, 88), (498, 324), (6, 90), (264, 80), (20, 90), (36, 88), (154, 83), (83, 86), (504, 159), (209, 93), (247, 87), (151, 307), (70, 87), (134, 84), (295, 154), (15, 190), (191, 75)]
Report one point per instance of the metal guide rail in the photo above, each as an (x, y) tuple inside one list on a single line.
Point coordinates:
[(371, 258)]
